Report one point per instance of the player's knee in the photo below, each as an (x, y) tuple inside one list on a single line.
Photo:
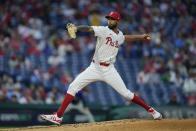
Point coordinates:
[(73, 89), (129, 95)]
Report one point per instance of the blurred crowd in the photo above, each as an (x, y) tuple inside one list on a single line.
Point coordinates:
[(37, 28), (17, 92)]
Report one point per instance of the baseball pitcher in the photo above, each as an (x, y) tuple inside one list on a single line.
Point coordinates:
[(109, 38)]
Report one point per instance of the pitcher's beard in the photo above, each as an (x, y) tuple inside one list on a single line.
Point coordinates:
[(112, 27)]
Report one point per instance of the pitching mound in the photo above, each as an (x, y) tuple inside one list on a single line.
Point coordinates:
[(124, 125)]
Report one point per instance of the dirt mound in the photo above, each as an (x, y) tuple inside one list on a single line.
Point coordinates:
[(124, 125)]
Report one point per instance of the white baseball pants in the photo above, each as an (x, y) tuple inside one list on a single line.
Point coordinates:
[(96, 72)]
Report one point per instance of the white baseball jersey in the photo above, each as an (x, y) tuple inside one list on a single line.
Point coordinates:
[(106, 50), (108, 43)]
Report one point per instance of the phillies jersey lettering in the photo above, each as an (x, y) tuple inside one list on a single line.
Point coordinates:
[(109, 40), (108, 43)]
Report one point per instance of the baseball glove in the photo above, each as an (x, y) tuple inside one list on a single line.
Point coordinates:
[(71, 28)]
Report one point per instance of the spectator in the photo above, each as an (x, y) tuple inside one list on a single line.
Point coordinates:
[(191, 100), (42, 92), (175, 78), (158, 50), (38, 99), (144, 76), (3, 98), (13, 62), (173, 100), (16, 41), (154, 77), (54, 97), (14, 100), (192, 48), (55, 41), (180, 41), (24, 62), (190, 83), (1, 52), (190, 62), (27, 98), (36, 76), (33, 49), (3, 93), (168, 48), (75, 45), (182, 70), (65, 47), (17, 89), (67, 78), (10, 84), (55, 59)]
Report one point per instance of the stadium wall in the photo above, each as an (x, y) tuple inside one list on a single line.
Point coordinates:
[(28, 115)]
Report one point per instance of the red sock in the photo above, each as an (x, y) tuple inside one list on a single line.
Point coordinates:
[(67, 100), (138, 101)]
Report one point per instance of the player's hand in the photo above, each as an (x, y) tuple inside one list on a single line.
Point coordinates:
[(146, 36), (72, 29)]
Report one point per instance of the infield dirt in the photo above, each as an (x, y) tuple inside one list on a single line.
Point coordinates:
[(123, 125)]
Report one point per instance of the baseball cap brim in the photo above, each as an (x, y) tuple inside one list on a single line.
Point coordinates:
[(107, 17)]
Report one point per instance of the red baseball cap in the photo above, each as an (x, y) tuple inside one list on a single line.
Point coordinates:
[(114, 15)]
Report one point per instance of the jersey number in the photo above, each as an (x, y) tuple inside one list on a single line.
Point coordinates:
[(109, 40)]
